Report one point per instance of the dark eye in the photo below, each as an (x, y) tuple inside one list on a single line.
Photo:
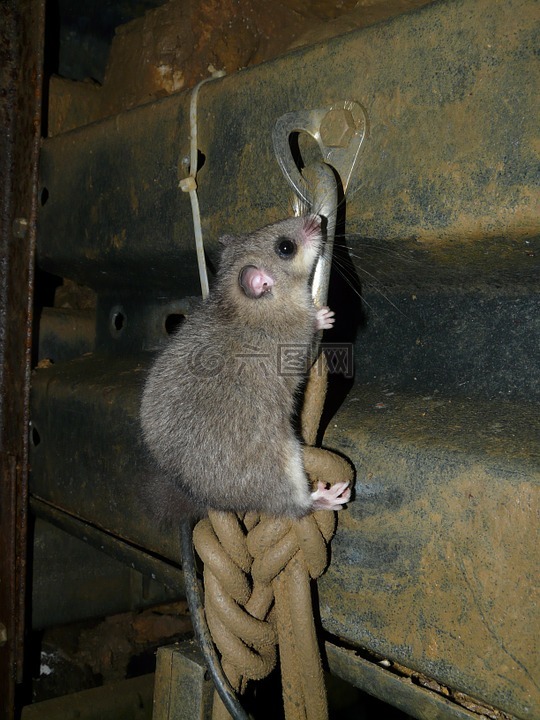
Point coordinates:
[(285, 247)]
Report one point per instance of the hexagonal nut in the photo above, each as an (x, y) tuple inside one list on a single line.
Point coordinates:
[(337, 128)]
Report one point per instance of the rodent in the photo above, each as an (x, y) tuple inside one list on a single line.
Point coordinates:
[(218, 403)]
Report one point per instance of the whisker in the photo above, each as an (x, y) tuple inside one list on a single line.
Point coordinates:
[(355, 274), (351, 275), (374, 247)]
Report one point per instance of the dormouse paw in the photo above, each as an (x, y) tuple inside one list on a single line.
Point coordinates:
[(325, 318), (332, 498)]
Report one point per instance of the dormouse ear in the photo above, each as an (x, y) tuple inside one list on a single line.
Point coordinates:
[(254, 282), (227, 239)]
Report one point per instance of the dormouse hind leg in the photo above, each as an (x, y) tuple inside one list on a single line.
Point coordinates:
[(300, 496), (332, 498)]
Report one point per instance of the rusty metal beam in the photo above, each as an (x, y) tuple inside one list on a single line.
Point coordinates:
[(424, 560), (427, 556), (434, 564), (95, 469), (167, 573), (378, 681), (21, 48), (448, 167)]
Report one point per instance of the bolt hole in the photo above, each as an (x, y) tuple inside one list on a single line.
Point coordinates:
[(118, 320), (173, 322), (186, 162), (44, 196), (35, 437), (201, 159)]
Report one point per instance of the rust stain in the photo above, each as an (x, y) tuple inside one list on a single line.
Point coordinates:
[(134, 199), (118, 240)]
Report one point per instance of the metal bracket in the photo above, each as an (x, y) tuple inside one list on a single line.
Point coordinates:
[(339, 131)]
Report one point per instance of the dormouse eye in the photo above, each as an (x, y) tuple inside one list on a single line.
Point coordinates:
[(285, 248)]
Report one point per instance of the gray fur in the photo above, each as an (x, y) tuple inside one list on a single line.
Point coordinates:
[(216, 411)]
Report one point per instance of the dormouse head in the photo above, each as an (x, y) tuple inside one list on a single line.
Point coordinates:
[(275, 262)]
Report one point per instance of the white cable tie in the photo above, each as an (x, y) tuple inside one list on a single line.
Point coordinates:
[(189, 183)]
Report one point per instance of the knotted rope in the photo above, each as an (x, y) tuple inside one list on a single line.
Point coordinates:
[(257, 579), (258, 569)]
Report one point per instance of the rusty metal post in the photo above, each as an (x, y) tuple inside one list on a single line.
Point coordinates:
[(21, 48), (183, 688)]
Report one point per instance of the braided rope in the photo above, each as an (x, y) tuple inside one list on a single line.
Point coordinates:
[(257, 579)]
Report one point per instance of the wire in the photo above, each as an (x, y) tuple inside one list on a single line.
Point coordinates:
[(202, 633)]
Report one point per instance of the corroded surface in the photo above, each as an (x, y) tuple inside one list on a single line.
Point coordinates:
[(172, 47), (434, 563), (448, 168), (21, 48), (183, 688)]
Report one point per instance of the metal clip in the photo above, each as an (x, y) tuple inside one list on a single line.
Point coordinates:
[(339, 131), (320, 180)]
